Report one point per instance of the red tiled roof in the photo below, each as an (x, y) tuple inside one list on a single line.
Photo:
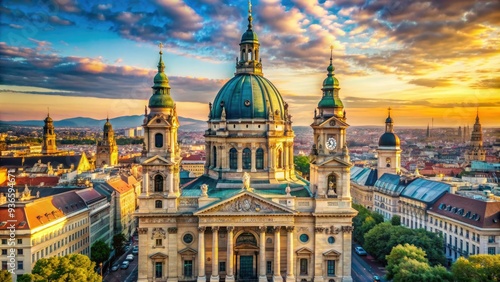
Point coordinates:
[(36, 181), (18, 217), (41, 211), (463, 209), (119, 185)]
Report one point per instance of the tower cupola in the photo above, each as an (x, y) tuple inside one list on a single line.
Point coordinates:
[(161, 89), (330, 104)]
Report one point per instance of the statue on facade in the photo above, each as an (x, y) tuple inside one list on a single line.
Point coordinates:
[(204, 190), (246, 181)]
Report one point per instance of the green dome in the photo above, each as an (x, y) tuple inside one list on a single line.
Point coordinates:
[(161, 80), (161, 100), (249, 37), (244, 97), (107, 126), (330, 81), (389, 139)]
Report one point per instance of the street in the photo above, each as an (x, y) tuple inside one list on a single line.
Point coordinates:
[(364, 268), (123, 275)]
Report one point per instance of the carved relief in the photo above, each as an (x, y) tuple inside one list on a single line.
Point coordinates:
[(247, 204), (347, 229), (158, 232), (202, 229), (262, 228), (215, 228), (188, 202), (172, 230), (230, 228), (158, 220), (290, 228), (319, 229), (142, 230), (333, 230)]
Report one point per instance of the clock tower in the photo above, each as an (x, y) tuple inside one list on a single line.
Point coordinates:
[(329, 156)]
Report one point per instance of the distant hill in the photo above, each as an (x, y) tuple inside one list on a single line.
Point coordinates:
[(118, 122)]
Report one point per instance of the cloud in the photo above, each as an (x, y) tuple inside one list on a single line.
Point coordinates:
[(439, 82), (491, 83), (92, 77)]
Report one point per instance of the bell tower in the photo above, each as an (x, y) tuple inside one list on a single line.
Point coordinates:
[(330, 163), (389, 151), (107, 150), (49, 136), (161, 153), (476, 150)]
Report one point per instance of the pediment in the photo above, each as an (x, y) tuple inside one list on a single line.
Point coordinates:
[(333, 160), (245, 203), (332, 122), (157, 160), (331, 253), (158, 256), (161, 120), (304, 251), (188, 251)]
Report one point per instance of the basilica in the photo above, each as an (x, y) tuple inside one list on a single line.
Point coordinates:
[(249, 217)]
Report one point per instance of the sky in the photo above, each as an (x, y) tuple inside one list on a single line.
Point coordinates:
[(430, 61)]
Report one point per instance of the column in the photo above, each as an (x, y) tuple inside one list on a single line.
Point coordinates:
[(253, 159), (201, 255), (240, 160), (230, 262), (145, 188), (289, 255), (170, 181), (215, 254), (285, 155), (277, 248), (290, 158), (262, 254), (347, 253)]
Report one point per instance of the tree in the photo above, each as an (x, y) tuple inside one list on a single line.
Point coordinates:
[(118, 241), (477, 268), (364, 222), (302, 164), (5, 276), (73, 267), (409, 263), (99, 252), (380, 240), (25, 278), (396, 220), (400, 254)]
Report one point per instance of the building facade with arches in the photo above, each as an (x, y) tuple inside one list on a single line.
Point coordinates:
[(249, 217)]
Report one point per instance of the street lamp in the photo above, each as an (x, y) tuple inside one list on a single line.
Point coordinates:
[(100, 265)]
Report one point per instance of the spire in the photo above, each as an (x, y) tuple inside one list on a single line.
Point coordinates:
[(477, 115), (331, 68), (249, 15), (389, 124), (331, 101), (161, 65)]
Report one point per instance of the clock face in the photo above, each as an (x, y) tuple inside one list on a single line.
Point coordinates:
[(331, 143)]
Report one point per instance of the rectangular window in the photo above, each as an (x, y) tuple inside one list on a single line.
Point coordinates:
[(19, 251), (4, 265), (4, 252), (158, 270), (20, 264), (19, 241), (330, 267), (491, 251), (222, 266), (188, 268), (4, 241), (158, 242), (491, 239), (269, 267), (303, 266)]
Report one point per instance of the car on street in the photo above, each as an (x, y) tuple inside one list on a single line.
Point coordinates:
[(135, 250), (360, 251), (125, 265), (115, 267), (376, 278), (130, 257)]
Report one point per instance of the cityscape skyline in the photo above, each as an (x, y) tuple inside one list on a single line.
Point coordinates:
[(431, 62)]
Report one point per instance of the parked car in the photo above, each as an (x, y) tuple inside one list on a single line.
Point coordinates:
[(125, 264), (135, 250), (376, 278), (360, 251), (115, 267), (130, 257)]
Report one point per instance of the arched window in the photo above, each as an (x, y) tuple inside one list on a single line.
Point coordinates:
[(158, 204), (247, 158), (214, 156), (332, 182), (279, 158), (259, 158), (158, 140), (158, 183), (233, 159), (49, 142)]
